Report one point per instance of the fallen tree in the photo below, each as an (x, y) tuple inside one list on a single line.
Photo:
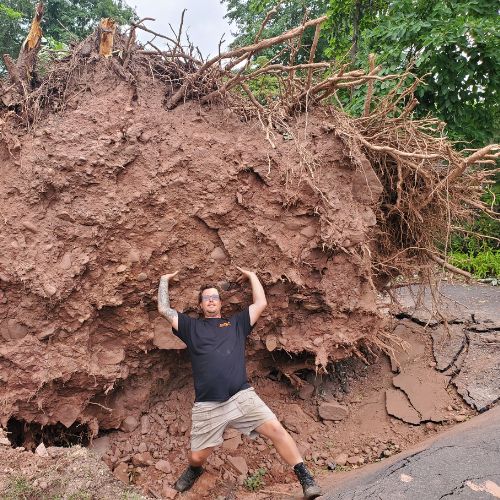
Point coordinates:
[(124, 162)]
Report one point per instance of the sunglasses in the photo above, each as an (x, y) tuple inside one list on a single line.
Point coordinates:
[(206, 298)]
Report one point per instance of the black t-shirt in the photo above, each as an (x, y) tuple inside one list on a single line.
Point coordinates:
[(217, 350)]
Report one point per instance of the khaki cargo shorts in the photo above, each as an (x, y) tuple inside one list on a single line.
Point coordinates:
[(245, 411)]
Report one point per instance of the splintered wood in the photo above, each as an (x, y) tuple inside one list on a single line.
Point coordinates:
[(107, 29), (20, 72)]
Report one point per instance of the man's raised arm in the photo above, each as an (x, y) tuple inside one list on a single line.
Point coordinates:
[(164, 302), (259, 296)]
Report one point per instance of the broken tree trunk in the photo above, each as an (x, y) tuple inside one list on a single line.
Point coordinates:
[(107, 28), (21, 72)]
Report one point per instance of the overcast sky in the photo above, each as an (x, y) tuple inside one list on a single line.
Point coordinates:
[(204, 21)]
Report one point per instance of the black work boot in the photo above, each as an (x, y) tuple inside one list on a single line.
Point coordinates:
[(188, 478), (309, 486)]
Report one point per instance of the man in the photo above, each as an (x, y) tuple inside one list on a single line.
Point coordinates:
[(223, 396)]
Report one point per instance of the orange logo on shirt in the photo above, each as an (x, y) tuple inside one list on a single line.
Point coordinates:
[(223, 325)]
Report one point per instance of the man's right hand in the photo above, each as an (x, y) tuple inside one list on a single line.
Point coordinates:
[(168, 277)]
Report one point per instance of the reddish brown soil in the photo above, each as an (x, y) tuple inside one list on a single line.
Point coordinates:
[(100, 199)]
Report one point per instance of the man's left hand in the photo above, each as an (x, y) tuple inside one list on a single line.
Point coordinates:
[(246, 274)]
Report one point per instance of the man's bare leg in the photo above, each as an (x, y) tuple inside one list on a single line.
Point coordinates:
[(198, 458), (286, 447), (283, 442)]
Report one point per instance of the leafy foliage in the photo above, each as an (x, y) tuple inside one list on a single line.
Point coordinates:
[(12, 21), (482, 265), (266, 86), (457, 43), (474, 253), (348, 20)]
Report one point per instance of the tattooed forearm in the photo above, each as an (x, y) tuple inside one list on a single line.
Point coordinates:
[(164, 301)]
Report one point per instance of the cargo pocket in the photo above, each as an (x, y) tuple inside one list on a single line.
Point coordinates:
[(201, 421), (247, 403)]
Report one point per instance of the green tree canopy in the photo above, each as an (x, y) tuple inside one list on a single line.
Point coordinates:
[(455, 41), (458, 43)]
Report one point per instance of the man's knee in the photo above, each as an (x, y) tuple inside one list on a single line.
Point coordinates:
[(273, 430)]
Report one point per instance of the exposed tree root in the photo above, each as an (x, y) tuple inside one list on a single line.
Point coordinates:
[(427, 186)]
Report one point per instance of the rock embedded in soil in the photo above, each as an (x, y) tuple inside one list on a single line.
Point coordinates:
[(142, 459), (232, 444), (204, 485), (306, 392), (129, 424), (100, 445), (341, 459), (239, 464), (168, 492), (145, 424), (333, 411), (164, 466), (121, 473), (41, 450)]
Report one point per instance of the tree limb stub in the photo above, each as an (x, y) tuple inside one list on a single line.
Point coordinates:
[(107, 28), (448, 266), (312, 54), (27, 56), (12, 69)]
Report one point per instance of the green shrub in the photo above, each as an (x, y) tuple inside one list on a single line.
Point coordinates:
[(476, 248), (482, 265), (256, 480)]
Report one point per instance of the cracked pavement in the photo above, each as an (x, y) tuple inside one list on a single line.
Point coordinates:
[(467, 347), (462, 463)]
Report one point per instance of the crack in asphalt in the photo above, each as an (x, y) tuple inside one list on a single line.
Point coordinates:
[(404, 315), (462, 486), (452, 492), (406, 461), (465, 343)]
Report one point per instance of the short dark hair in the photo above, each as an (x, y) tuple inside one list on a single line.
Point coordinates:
[(206, 286)]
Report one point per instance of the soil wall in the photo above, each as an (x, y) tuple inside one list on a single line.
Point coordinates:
[(101, 198)]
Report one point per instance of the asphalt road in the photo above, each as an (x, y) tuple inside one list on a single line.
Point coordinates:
[(462, 463), (462, 302)]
